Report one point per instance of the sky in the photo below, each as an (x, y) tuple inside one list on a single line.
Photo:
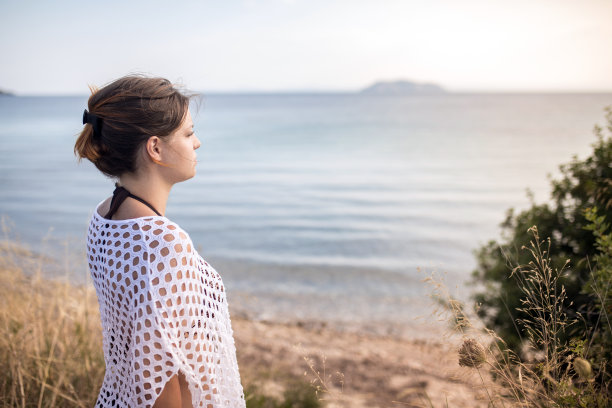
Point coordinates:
[(60, 47)]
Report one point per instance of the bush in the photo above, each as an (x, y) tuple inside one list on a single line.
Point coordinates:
[(552, 373), (580, 245)]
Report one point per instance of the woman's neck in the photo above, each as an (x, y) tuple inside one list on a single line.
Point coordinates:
[(152, 189)]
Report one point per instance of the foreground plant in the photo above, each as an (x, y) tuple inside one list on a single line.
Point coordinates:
[(551, 370), (583, 184), (50, 342)]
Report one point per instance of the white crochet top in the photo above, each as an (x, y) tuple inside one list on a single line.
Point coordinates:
[(163, 309)]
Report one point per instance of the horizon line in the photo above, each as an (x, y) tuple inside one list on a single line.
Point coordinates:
[(8, 93)]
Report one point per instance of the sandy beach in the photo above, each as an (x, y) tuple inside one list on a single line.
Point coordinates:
[(355, 369)]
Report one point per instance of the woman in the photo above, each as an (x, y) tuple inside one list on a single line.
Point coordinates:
[(167, 335)]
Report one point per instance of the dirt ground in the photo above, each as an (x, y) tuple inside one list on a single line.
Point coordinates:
[(356, 369)]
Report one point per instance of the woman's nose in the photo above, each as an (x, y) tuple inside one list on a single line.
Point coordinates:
[(198, 143)]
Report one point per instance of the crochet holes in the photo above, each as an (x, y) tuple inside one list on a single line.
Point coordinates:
[(163, 310)]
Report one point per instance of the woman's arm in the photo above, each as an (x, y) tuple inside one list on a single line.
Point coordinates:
[(185, 394), (170, 396), (175, 394)]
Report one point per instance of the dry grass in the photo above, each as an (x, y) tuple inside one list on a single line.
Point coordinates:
[(549, 372), (50, 335)]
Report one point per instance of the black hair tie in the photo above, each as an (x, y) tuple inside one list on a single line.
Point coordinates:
[(94, 121)]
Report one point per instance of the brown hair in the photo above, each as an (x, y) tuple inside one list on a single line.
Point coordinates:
[(132, 109)]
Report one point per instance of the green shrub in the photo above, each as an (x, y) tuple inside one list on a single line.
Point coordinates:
[(551, 372), (580, 245)]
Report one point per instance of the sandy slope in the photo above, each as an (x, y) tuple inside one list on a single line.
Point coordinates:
[(378, 371)]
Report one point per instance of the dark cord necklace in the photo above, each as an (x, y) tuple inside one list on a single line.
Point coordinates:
[(119, 195)]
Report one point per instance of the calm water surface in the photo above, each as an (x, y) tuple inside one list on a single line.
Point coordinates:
[(320, 206)]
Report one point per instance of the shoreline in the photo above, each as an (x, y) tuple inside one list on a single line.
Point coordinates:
[(389, 305)]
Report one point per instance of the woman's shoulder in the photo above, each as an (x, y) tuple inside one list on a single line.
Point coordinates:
[(159, 228), (148, 238)]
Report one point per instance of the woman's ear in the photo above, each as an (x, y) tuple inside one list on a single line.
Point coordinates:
[(153, 148)]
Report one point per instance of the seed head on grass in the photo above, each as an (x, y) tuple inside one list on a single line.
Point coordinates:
[(471, 354), (582, 368)]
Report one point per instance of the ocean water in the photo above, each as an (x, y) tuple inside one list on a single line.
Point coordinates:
[(314, 206)]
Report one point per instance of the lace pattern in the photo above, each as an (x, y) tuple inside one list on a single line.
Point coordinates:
[(163, 309)]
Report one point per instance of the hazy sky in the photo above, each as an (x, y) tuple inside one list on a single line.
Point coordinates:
[(59, 47)]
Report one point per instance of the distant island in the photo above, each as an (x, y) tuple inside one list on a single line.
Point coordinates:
[(403, 88), (6, 93)]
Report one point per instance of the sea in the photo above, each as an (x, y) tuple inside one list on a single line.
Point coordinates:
[(333, 208)]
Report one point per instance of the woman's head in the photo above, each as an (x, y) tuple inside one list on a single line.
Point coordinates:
[(130, 110)]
